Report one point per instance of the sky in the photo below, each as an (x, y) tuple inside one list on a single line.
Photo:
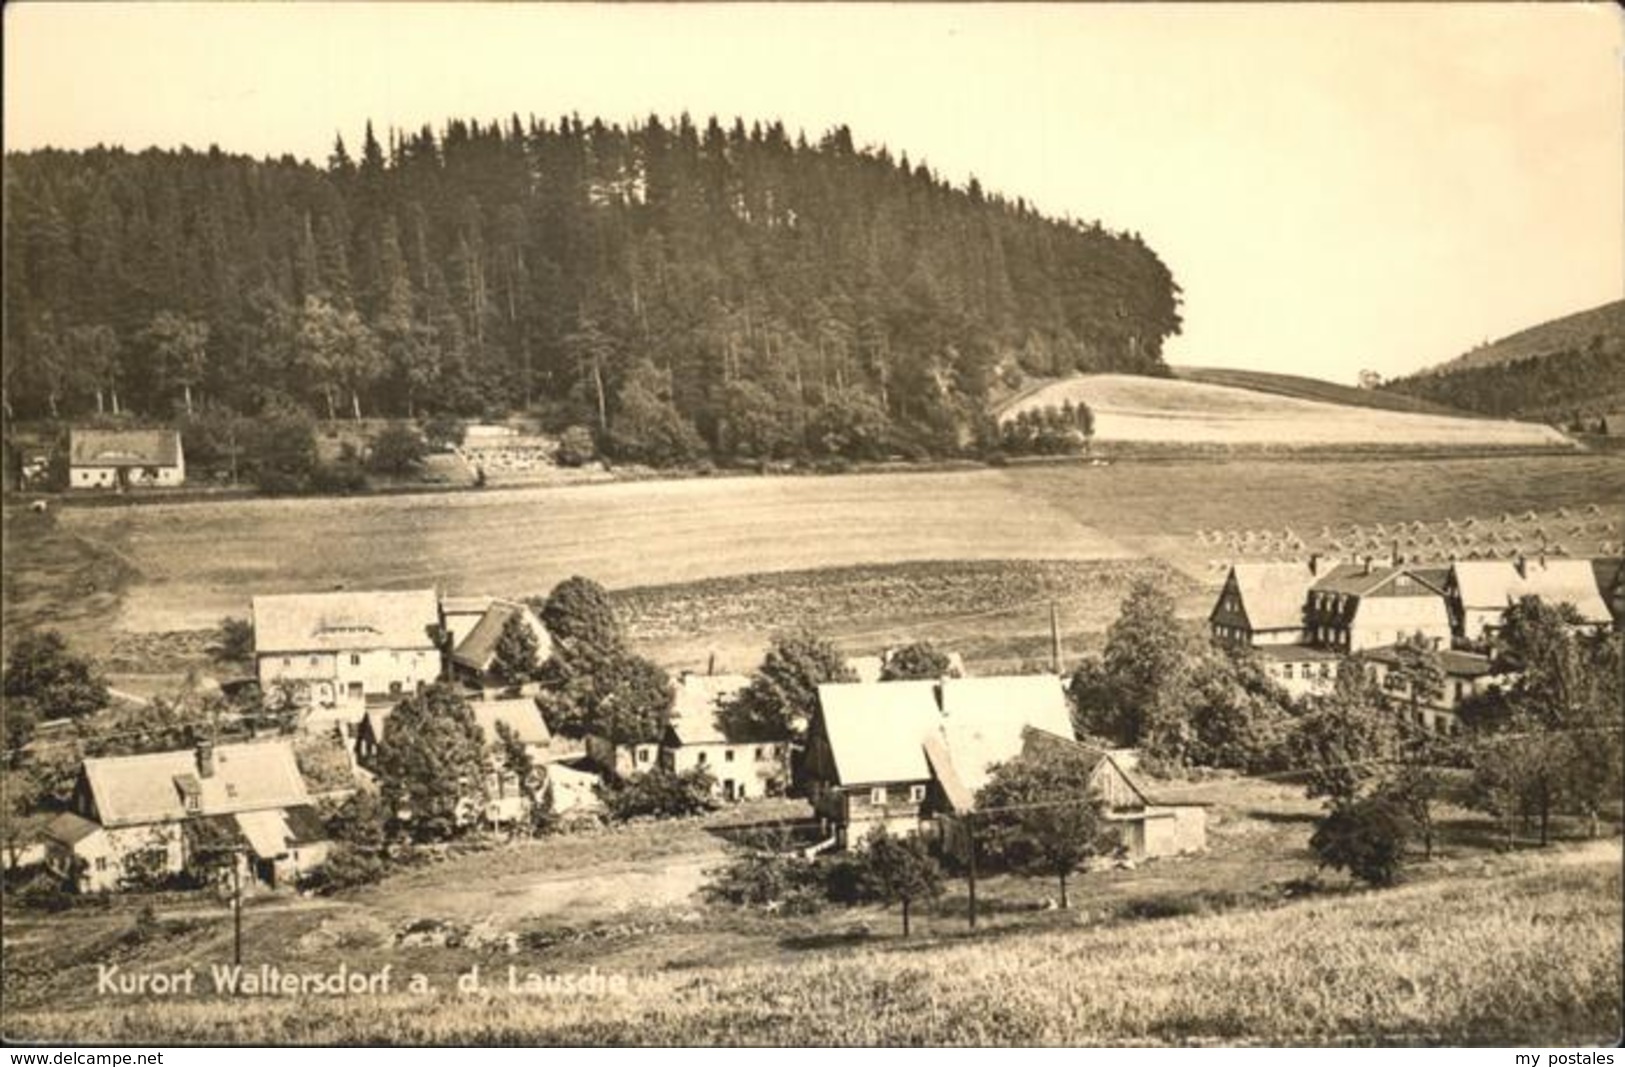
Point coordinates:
[(1335, 187)]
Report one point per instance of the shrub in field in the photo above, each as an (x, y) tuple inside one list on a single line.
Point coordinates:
[(341, 476), (576, 447), (1052, 821), (786, 884), (398, 450), (900, 870), (661, 793), (236, 641), (1365, 837), (919, 660), (444, 431)]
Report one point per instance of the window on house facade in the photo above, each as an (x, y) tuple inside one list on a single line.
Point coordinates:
[(101, 863), (916, 793), (287, 661), (643, 756), (355, 659), (1286, 671), (315, 660), (877, 795), (700, 759), (728, 755), (759, 752), (394, 688)]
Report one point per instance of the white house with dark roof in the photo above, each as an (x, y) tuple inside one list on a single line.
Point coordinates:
[(339, 650), (694, 739), (125, 459), (133, 809)]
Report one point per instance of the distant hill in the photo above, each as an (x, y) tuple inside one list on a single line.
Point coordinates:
[(1567, 370), (1313, 389), (1162, 411)]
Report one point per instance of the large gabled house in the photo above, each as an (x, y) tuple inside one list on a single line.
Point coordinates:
[(1263, 603), (1466, 675), (125, 459), (1356, 606), (338, 651), (131, 811)]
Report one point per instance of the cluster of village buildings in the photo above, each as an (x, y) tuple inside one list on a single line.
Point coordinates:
[(1306, 619)]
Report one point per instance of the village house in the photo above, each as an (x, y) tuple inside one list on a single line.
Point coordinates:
[(507, 798), (1466, 675), (1263, 603), (474, 651), (125, 459), (1300, 670), (1146, 828), (693, 739), (1482, 590), (1356, 606), (337, 651), (130, 812)]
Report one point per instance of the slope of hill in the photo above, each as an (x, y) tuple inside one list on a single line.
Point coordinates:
[(1571, 370), (1569, 333), (1165, 411), (1303, 388)]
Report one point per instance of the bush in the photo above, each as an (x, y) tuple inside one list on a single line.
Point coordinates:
[(341, 476), (347, 865), (398, 450), (444, 431), (786, 883), (576, 447), (236, 644), (660, 793), (1365, 837)]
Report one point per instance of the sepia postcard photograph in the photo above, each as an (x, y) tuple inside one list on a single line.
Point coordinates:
[(805, 525)]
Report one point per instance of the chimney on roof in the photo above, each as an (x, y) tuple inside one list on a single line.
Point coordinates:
[(1522, 566), (205, 759), (1397, 559), (1368, 564), (711, 664), (1314, 563)]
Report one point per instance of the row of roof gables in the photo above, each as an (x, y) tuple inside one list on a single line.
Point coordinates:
[(1274, 594)]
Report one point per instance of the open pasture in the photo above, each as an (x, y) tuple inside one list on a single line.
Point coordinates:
[(1160, 410), (184, 566)]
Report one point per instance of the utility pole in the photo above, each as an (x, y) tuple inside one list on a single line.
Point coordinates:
[(1054, 639), (970, 831), (237, 906)]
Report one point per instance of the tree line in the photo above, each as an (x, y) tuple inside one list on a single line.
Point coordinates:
[(675, 287), (1573, 385)]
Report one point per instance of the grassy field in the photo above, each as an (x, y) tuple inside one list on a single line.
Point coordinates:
[(902, 549), (1131, 409), (1302, 388), (1477, 948)]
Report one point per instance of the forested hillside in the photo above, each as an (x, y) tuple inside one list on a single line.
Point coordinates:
[(1567, 370), (677, 288)]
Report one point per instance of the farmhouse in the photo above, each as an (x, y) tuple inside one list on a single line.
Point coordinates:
[(338, 650), (1361, 605), (1483, 590), (1146, 828), (474, 652), (693, 738), (506, 798), (124, 459), (1263, 603), (1466, 675), (894, 755), (129, 813)]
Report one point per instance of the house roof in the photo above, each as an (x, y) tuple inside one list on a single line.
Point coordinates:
[(875, 732), (983, 719), (478, 649), (893, 732), (124, 448), (1272, 594), (345, 622), (131, 790), (1496, 584), (1355, 579), (70, 829), (1454, 663), (520, 714), (465, 605), (694, 708)]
